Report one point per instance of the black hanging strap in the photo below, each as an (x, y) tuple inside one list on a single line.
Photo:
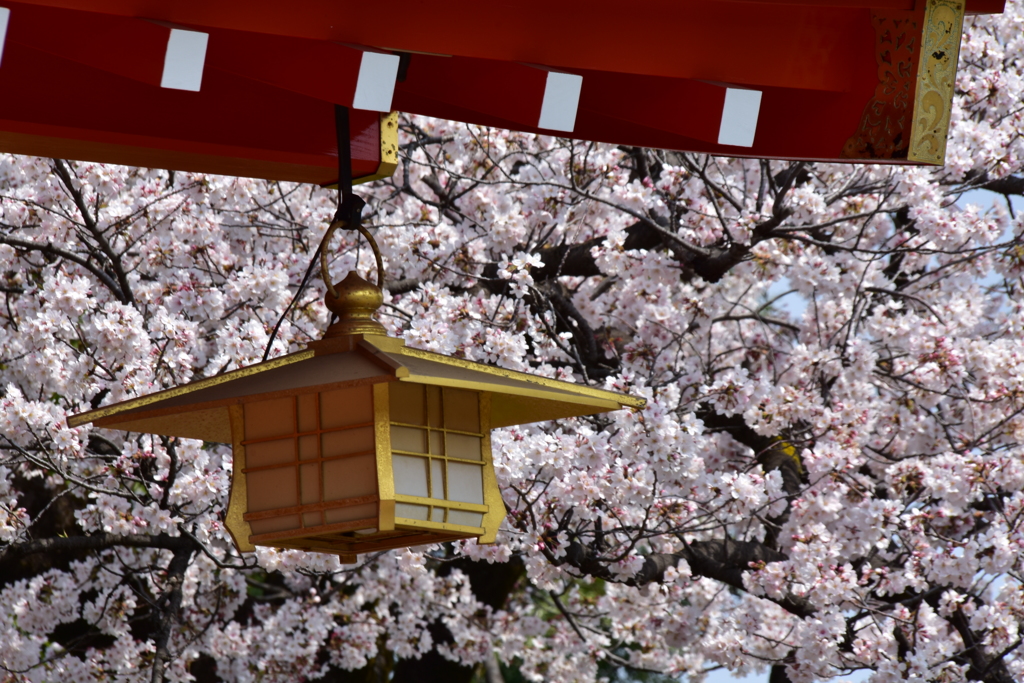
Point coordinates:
[(350, 205), (350, 209)]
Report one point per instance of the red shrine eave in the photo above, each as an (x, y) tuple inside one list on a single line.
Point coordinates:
[(248, 88)]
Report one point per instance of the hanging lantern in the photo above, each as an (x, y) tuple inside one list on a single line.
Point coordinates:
[(358, 443)]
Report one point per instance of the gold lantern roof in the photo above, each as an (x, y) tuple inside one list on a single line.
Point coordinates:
[(198, 410)]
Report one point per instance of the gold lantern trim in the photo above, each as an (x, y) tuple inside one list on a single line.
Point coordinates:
[(358, 443)]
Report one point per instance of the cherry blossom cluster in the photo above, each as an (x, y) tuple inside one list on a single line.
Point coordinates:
[(828, 476)]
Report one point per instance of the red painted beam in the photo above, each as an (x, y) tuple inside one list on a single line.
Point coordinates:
[(511, 91), (145, 51), (97, 40), (765, 44), (325, 70), (258, 102), (233, 126)]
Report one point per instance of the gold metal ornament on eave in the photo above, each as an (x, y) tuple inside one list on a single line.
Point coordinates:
[(916, 51), (358, 443)]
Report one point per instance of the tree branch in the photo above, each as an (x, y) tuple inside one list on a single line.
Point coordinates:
[(93, 227), (51, 250), (724, 561), (101, 541), (169, 613)]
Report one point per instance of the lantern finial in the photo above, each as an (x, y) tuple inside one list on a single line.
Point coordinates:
[(353, 300)]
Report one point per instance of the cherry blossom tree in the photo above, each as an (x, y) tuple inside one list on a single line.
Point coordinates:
[(828, 477)]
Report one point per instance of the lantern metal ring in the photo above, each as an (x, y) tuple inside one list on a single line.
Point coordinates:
[(344, 225)]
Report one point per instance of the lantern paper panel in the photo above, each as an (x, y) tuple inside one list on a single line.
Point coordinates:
[(440, 446), (310, 462), (363, 468)]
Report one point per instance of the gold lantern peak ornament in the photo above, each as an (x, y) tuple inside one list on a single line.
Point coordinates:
[(358, 443)]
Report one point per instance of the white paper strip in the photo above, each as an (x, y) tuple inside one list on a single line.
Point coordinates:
[(561, 99), (739, 117), (184, 60), (376, 83), (5, 15)]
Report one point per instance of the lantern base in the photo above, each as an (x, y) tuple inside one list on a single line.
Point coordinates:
[(349, 545)]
